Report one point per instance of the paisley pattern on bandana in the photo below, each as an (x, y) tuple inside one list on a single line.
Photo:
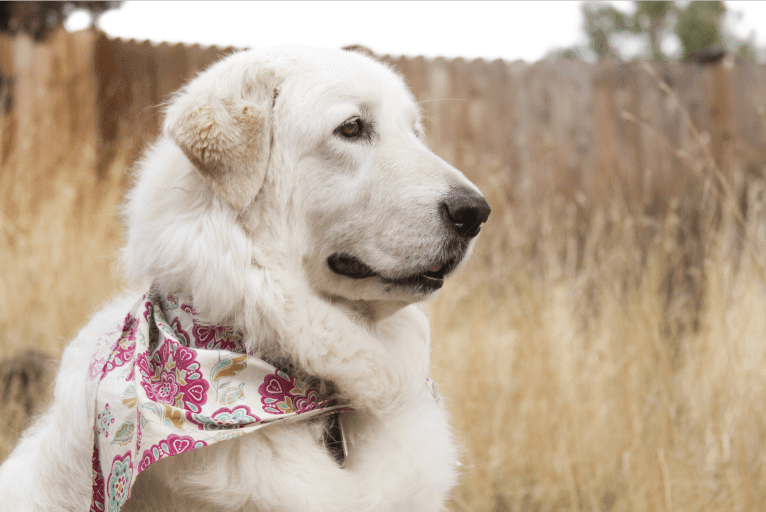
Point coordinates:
[(212, 337), (282, 394), (173, 445), (183, 337), (122, 353), (224, 418), (98, 499), (188, 385), (120, 480), (103, 351), (103, 421), (183, 385), (172, 376), (124, 433)]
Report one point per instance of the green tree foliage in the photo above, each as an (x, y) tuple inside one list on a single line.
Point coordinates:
[(38, 18), (602, 21), (652, 18), (698, 27)]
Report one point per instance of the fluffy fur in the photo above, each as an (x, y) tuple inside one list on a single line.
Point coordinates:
[(240, 203)]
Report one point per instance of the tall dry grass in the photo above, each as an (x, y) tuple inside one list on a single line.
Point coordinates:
[(594, 356), (59, 241), (59, 236)]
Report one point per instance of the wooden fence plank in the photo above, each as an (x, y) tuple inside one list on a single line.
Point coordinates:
[(551, 127)]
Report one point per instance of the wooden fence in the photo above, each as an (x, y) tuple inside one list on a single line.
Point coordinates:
[(565, 126)]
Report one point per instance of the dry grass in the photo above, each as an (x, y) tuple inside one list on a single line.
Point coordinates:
[(594, 357), (59, 237), (599, 360)]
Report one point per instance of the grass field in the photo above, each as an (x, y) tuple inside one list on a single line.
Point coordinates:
[(594, 357), (601, 360)]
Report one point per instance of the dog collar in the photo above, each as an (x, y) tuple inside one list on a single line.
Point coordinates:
[(163, 383)]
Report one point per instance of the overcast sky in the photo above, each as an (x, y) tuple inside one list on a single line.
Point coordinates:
[(508, 30)]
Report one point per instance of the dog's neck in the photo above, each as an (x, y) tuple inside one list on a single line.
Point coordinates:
[(366, 312), (374, 355)]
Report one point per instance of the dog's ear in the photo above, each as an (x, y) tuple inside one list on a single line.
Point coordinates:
[(223, 126), (358, 48)]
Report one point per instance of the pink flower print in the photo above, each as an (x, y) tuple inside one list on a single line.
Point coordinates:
[(173, 445), (224, 418), (283, 394), (167, 389), (172, 376), (118, 487), (213, 337), (123, 350)]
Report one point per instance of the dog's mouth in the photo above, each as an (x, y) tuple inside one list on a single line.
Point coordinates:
[(428, 280)]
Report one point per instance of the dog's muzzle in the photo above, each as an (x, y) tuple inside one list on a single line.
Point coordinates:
[(463, 212)]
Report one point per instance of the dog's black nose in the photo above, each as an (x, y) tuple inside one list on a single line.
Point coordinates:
[(466, 211)]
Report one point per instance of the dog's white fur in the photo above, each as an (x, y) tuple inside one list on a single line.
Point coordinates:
[(238, 205)]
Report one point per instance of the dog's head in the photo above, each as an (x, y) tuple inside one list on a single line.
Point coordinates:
[(319, 156)]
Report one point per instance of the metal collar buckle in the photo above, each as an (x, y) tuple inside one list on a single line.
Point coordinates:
[(335, 438)]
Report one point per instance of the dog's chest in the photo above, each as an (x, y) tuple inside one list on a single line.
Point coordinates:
[(254, 471)]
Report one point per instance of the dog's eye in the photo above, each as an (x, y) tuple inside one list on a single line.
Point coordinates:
[(351, 129)]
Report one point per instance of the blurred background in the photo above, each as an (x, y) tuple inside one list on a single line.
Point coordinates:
[(604, 348)]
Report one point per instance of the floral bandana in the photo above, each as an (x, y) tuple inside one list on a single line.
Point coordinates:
[(163, 383)]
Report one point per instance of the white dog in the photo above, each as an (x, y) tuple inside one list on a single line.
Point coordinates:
[(293, 200)]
